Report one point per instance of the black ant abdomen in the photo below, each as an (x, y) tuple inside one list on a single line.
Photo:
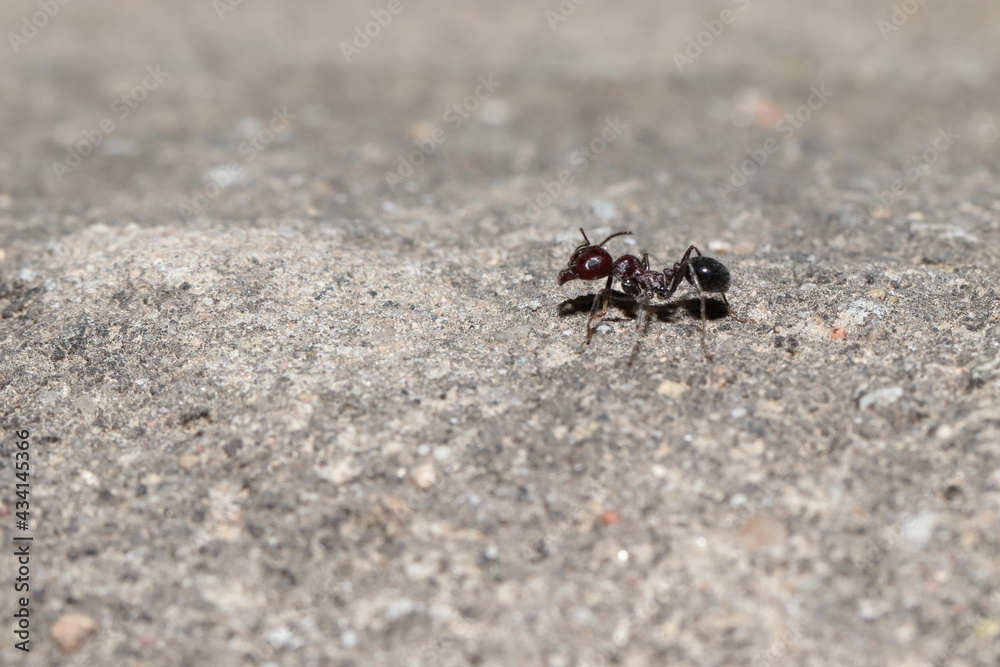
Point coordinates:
[(712, 275)]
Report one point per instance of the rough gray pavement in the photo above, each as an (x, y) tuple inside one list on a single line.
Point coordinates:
[(286, 410)]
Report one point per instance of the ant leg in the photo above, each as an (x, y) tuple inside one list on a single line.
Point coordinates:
[(701, 296), (687, 255), (602, 299), (640, 318), (729, 310), (641, 325), (676, 276), (677, 273), (635, 353)]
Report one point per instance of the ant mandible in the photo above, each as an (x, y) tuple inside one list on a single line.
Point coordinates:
[(592, 262)]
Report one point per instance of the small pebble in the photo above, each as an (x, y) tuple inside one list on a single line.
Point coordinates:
[(987, 628), (761, 532), (880, 212), (495, 112), (71, 630), (399, 608), (188, 461), (672, 389), (877, 294), (918, 531), (604, 209), (348, 639), (885, 396), (424, 476)]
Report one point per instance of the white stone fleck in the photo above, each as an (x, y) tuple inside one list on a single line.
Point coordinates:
[(917, 531), (398, 609), (884, 396)]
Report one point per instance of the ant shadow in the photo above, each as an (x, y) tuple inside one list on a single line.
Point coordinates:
[(664, 312)]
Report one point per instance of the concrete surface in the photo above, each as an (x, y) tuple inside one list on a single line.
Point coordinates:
[(312, 417)]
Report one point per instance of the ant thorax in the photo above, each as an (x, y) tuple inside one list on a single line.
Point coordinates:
[(627, 266)]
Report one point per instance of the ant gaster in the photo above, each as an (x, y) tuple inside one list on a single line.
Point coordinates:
[(592, 262)]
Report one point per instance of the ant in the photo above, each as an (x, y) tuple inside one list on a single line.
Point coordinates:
[(592, 262)]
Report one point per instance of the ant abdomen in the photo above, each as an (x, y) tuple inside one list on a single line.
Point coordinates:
[(712, 275)]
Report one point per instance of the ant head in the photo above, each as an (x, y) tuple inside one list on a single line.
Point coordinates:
[(713, 276), (589, 261)]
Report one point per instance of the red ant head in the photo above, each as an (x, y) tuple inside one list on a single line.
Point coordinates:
[(589, 262)]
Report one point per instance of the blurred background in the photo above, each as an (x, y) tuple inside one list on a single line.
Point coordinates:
[(697, 91)]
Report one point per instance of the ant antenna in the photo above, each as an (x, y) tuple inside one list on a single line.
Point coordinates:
[(611, 237), (586, 241)]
